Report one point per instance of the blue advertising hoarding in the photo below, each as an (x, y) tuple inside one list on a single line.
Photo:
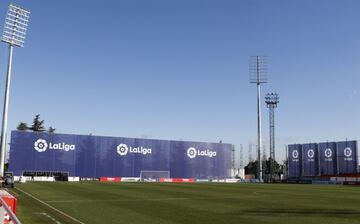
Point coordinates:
[(347, 157), (328, 158), (310, 160), (294, 160), (96, 156)]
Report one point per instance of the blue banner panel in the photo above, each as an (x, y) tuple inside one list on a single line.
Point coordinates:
[(96, 156), (310, 159), (347, 157), (328, 158), (294, 160)]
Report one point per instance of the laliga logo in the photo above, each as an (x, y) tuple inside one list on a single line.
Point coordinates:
[(41, 145), (123, 150), (295, 154), (192, 153), (328, 153), (311, 153), (347, 152)]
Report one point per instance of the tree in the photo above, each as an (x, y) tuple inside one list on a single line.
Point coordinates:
[(251, 168), (38, 125), (22, 126), (51, 129)]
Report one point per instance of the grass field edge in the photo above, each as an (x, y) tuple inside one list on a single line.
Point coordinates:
[(47, 207)]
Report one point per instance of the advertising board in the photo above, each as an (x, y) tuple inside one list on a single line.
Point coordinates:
[(88, 156)]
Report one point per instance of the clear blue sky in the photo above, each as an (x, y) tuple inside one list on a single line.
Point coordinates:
[(179, 69)]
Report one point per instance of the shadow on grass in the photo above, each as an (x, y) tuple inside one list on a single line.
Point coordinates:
[(303, 212)]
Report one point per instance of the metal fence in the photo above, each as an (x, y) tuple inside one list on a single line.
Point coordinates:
[(6, 214)]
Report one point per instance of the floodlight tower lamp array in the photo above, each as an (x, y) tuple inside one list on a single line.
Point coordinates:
[(16, 23)]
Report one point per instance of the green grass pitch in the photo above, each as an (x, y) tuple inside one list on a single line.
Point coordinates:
[(150, 203)]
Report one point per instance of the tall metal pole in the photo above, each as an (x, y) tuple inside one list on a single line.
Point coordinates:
[(259, 166), (14, 34), (272, 143), (271, 100), (233, 160), (5, 112), (241, 163), (258, 76), (272, 132), (286, 164)]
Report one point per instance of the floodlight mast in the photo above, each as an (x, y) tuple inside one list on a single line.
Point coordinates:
[(271, 100), (258, 75), (14, 34)]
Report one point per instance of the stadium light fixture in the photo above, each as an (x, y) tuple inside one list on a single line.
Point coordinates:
[(15, 27)]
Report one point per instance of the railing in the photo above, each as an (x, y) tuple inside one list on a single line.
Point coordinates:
[(6, 214)]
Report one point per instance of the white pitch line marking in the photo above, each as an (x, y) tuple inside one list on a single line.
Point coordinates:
[(115, 200), (46, 204), (49, 216)]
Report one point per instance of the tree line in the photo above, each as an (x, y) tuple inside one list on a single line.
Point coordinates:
[(38, 125)]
